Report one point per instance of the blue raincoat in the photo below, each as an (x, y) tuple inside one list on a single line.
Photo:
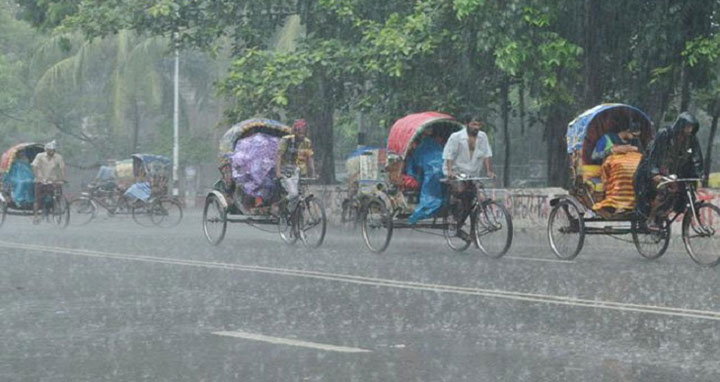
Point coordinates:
[(425, 164)]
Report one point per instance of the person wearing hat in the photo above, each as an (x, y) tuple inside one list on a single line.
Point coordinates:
[(49, 170), (294, 159)]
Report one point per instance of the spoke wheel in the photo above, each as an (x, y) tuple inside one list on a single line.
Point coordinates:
[(141, 213), (349, 214), (450, 231), (61, 212), (377, 226), (651, 243), (214, 220), (702, 238), (566, 230), (313, 223), (3, 212), (166, 213), (493, 229), (83, 211)]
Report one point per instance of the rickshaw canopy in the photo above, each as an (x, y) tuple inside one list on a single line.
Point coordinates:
[(406, 129), (585, 130), (8, 157), (248, 127), (151, 164)]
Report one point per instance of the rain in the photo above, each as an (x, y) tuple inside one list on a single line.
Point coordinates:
[(359, 190)]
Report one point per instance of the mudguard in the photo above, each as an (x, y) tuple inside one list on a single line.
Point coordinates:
[(554, 201), (220, 197)]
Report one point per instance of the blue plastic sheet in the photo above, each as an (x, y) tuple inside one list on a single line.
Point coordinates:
[(140, 191), (253, 164), (425, 164), (22, 181)]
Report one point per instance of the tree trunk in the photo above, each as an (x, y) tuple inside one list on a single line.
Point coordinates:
[(592, 94), (685, 83), (136, 127), (505, 112), (323, 132), (711, 139), (555, 137), (521, 96)]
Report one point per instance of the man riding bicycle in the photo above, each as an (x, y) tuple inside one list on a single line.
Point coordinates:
[(49, 170), (675, 151), (465, 153), (294, 159)]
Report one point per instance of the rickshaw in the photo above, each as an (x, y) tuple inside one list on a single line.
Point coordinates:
[(364, 168), (393, 200), (17, 196), (248, 192), (137, 186), (573, 216)]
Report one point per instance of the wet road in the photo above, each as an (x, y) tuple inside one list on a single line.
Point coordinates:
[(118, 302)]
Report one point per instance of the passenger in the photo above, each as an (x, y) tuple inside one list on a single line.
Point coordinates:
[(465, 153), (425, 165), (619, 152), (22, 180), (675, 151)]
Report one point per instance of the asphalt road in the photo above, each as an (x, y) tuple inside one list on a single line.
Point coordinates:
[(117, 302)]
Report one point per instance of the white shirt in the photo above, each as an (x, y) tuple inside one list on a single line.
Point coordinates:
[(457, 150), (48, 169)]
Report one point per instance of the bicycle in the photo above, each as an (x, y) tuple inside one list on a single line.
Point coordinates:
[(491, 226), (55, 206), (86, 206), (305, 221)]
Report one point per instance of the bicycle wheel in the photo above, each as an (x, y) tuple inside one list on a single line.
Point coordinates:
[(349, 215), (493, 229), (454, 241), (651, 243), (377, 226), (702, 238), (61, 212), (566, 230), (214, 220), (141, 213), (166, 213), (3, 212), (313, 223), (83, 211)]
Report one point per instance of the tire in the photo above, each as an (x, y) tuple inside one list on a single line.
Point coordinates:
[(493, 229), (313, 223), (214, 220), (377, 226), (61, 212), (166, 213), (349, 214), (141, 213), (651, 244), (566, 230), (702, 241), (456, 243), (83, 211), (286, 229), (3, 213)]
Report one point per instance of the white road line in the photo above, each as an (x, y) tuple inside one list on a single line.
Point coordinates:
[(291, 342), (362, 280), (539, 259)]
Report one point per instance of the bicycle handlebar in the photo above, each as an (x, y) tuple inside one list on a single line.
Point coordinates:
[(473, 179), (674, 179)]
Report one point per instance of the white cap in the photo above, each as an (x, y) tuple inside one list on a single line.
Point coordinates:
[(52, 145)]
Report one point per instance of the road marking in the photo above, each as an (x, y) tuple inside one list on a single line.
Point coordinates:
[(362, 280), (539, 259), (291, 342)]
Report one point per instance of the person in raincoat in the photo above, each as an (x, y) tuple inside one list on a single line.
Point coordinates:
[(675, 151), (425, 164)]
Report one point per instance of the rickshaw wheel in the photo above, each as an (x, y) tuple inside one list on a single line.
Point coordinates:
[(214, 220), (83, 211), (313, 223), (349, 214), (377, 226), (450, 232), (141, 213), (651, 244), (566, 230), (166, 212), (3, 212), (493, 229), (61, 212), (702, 240)]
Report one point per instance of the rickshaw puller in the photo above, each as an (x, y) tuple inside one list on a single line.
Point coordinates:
[(675, 151), (459, 160), (49, 169), (294, 159)]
